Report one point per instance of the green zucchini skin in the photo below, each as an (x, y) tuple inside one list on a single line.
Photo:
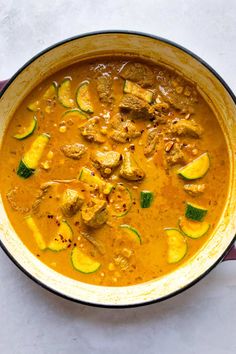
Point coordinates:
[(83, 99), (146, 199), (193, 229), (195, 212), (133, 232), (63, 238), (196, 168), (64, 93), (83, 263), (177, 245), (136, 90), (23, 171), (30, 131)]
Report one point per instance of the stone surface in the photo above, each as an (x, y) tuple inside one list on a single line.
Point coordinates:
[(201, 320)]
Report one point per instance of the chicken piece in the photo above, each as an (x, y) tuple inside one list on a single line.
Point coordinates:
[(97, 244), (71, 202), (177, 91), (106, 162), (152, 139), (135, 107), (130, 169), (175, 155), (194, 189), (95, 213), (139, 73), (74, 151), (91, 130), (123, 130), (187, 128), (121, 261), (104, 89)]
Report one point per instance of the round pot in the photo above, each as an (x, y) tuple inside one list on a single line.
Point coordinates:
[(213, 89)]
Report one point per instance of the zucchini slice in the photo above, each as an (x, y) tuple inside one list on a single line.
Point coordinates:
[(193, 229), (24, 171), (34, 106), (75, 113), (132, 233), (120, 200), (138, 91), (177, 245), (62, 239), (82, 262), (195, 212), (64, 93), (36, 233), (27, 131), (83, 98), (146, 199), (31, 158), (51, 92), (196, 168), (89, 177)]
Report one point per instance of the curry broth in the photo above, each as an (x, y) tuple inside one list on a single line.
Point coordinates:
[(148, 260)]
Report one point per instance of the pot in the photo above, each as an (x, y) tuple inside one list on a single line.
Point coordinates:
[(213, 89)]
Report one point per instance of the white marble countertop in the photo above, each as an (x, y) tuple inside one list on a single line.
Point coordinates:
[(202, 319)]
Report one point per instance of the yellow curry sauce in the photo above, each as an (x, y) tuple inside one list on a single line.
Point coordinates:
[(148, 123)]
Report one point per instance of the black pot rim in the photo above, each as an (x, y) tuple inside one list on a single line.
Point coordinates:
[(230, 92)]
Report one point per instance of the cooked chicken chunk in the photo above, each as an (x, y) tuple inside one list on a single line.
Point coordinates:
[(130, 169), (106, 162), (104, 89), (71, 202), (139, 73), (175, 155), (177, 91), (124, 130), (135, 107), (74, 151), (152, 139), (91, 130), (187, 128), (194, 189), (95, 213)]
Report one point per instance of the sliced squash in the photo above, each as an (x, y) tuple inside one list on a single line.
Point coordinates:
[(146, 199), (177, 245), (62, 239), (80, 116), (195, 212), (196, 168), (132, 232), (51, 92), (27, 131), (82, 262), (138, 91), (64, 93), (193, 229), (31, 158), (83, 98), (88, 176), (36, 233), (34, 106)]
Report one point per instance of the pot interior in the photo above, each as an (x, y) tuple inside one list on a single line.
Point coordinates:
[(212, 89)]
